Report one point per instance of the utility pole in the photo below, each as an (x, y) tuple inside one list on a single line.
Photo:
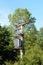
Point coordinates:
[(18, 43)]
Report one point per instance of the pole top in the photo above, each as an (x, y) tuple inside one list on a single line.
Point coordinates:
[(20, 24)]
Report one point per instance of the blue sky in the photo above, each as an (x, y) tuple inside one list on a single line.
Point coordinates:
[(9, 6)]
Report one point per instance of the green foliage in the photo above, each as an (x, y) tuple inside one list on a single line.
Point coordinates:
[(6, 47), (21, 15), (33, 41)]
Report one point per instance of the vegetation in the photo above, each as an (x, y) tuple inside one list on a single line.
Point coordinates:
[(33, 41), (6, 47)]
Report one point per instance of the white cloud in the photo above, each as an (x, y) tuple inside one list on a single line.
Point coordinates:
[(4, 17), (4, 14), (4, 22)]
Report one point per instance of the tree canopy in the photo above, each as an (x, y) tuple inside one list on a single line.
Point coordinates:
[(33, 41), (21, 15), (6, 47)]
